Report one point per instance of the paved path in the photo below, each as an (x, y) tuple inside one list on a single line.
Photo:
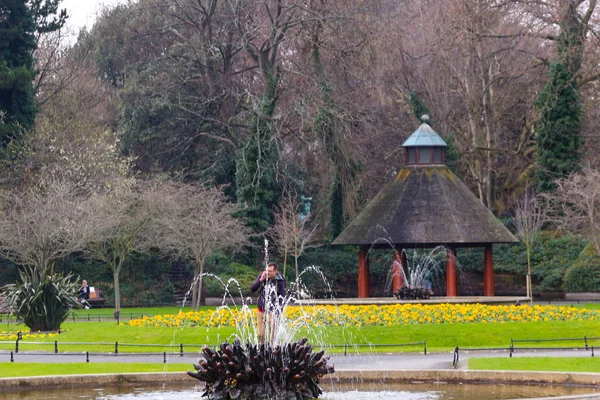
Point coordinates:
[(351, 362)]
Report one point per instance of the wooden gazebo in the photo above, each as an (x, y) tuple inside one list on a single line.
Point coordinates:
[(425, 206)]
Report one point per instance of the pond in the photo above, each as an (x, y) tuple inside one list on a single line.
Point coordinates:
[(408, 391)]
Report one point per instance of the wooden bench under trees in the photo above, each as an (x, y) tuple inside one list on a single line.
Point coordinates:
[(96, 298)]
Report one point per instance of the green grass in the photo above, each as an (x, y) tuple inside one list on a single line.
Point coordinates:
[(20, 369), (442, 337), (591, 306), (561, 364), (139, 310)]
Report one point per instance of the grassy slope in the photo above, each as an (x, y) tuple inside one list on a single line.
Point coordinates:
[(587, 364), (20, 369)]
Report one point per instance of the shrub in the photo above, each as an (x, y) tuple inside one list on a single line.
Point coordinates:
[(243, 274), (584, 275), (339, 265), (551, 255), (42, 300)]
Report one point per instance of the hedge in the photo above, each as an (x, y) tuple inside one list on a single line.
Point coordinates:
[(584, 275)]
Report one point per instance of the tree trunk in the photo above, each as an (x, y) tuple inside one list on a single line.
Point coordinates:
[(116, 273), (285, 255), (529, 291), (117, 289)]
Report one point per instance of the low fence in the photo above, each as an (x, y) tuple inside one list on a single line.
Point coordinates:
[(585, 344), (181, 349), (82, 317)]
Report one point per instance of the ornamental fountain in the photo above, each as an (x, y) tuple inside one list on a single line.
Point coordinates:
[(262, 371)]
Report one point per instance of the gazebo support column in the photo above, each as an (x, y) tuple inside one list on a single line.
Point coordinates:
[(488, 272), (397, 278), (451, 285), (363, 274)]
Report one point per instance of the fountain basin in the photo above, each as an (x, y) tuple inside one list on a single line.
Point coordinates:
[(581, 385)]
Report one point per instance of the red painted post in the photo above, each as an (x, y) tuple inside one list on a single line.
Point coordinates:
[(363, 274), (451, 285), (397, 278), (488, 272)]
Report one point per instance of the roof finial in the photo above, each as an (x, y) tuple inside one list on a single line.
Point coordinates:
[(424, 118)]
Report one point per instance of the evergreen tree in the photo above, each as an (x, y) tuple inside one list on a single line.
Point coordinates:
[(19, 22), (419, 108), (346, 168), (559, 108), (257, 188)]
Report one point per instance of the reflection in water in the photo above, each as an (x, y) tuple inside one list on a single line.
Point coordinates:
[(410, 391)]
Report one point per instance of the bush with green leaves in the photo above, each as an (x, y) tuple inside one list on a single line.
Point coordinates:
[(339, 265), (551, 256), (42, 299), (243, 274), (584, 275)]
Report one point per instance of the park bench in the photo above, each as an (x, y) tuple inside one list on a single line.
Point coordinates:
[(96, 297)]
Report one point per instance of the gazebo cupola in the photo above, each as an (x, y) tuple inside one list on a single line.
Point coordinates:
[(424, 206), (424, 146)]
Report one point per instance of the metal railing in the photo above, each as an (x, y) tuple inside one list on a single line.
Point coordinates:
[(81, 317), (584, 341), (346, 346), (116, 348)]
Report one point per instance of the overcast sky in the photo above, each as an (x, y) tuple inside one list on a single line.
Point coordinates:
[(83, 12)]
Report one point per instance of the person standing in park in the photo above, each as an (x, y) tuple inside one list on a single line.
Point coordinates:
[(271, 286)]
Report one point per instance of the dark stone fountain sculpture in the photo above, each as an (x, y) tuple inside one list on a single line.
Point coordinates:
[(260, 371)]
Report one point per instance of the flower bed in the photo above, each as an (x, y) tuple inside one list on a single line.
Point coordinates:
[(400, 314)]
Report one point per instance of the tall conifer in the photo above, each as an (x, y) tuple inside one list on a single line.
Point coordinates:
[(20, 20), (559, 108)]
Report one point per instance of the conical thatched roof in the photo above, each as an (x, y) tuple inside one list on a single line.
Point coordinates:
[(425, 206)]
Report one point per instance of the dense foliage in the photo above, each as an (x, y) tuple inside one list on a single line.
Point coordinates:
[(288, 372), (584, 274), (19, 22), (42, 300), (558, 126), (257, 188), (551, 256), (16, 69)]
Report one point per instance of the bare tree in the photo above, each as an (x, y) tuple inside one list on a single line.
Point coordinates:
[(528, 220), (291, 230), (193, 221), (576, 205), (46, 223), (125, 216)]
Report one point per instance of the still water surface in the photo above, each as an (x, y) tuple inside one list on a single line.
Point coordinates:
[(412, 391)]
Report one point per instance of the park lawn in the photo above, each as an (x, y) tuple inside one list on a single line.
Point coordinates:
[(560, 364), (445, 337), (151, 311), (20, 369), (107, 333), (591, 306), (126, 313), (439, 337)]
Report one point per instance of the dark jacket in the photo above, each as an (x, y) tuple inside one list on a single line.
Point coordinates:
[(276, 299), (84, 292)]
